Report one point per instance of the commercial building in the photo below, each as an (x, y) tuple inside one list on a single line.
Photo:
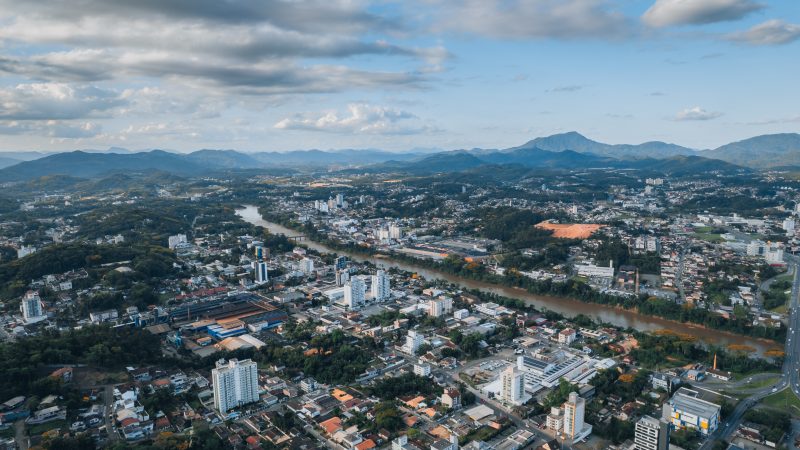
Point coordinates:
[(651, 434), (306, 265), (235, 384), (687, 410), (422, 369)]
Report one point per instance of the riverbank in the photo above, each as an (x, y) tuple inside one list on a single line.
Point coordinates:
[(569, 307)]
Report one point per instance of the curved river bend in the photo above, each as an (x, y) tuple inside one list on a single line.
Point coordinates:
[(567, 306)]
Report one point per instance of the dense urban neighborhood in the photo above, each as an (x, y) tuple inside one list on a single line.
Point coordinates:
[(595, 309)]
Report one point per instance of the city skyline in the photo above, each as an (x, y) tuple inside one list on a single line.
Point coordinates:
[(279, 76)]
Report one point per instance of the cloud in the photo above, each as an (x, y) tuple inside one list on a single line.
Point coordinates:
[(56, 101), (771, 32), (256, 46), (360, 118), (567, 88), (50, 128), (666, 13), (522, 19), (696, 113)]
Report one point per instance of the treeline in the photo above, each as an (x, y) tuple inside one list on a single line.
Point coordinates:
[(21, 361), (147, 261)]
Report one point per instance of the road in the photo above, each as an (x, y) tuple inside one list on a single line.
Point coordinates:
[(789, 373)]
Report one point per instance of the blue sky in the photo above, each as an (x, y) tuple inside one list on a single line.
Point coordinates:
[(283, 75)]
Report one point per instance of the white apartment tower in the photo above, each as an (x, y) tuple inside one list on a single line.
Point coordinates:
[(651, 434), (355, 292), (31, 307), (235, 384), (438, 307), (513, 389), (413, 341), (306, 265), (381, 287), (395, 232)]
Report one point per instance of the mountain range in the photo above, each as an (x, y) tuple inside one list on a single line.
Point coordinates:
[(561, 151)]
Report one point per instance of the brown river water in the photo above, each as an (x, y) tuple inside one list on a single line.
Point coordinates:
[(567, 306)]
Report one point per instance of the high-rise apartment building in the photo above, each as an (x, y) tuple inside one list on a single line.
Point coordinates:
[(355, 293), (235, 384), (651, 434), (381, 286)]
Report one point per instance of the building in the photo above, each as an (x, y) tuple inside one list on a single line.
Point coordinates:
[(422, 369), (235, 384), (354, 293), (261, 273), (438, 307), (566, 336), (555, 420), (306, 265), (651, 434), (342, 275), (25, 251), (413, 342), (574, 426), (31, 307), (513, 386), (591, 270), (340, 263), (174, 241), (261, 252), (381, 286), (395, 232), (451, 398), (687, 410)]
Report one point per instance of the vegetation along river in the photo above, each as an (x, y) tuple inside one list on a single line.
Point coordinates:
[(567, 306)]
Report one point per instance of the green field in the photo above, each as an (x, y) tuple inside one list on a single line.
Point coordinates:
[(785, 400), (710, 237)]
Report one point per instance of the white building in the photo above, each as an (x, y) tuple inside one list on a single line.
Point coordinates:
[(566, 336), (687, 410), (513, 386), (355, 293), (591, 270), (651, 434), (574, 426), (395, 232), (413, 342), (461, 314), (25, 251), (774, 253), (174, 241), (788, 225), (31, 307), (235, 384), (438, 307), (422, 369), (261, 273), (381, 286), (555, 420), (306, 265)]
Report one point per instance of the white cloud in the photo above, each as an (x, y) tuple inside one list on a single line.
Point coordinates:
[(665, 13), (771, 32), (56, 101), (360, 118), (50, 128), (518, 19), (696, 113)]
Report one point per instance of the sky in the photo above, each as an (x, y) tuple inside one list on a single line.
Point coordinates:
[(277, 75)]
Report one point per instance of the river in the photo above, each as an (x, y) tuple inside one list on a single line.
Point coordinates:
[(567, 306)]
